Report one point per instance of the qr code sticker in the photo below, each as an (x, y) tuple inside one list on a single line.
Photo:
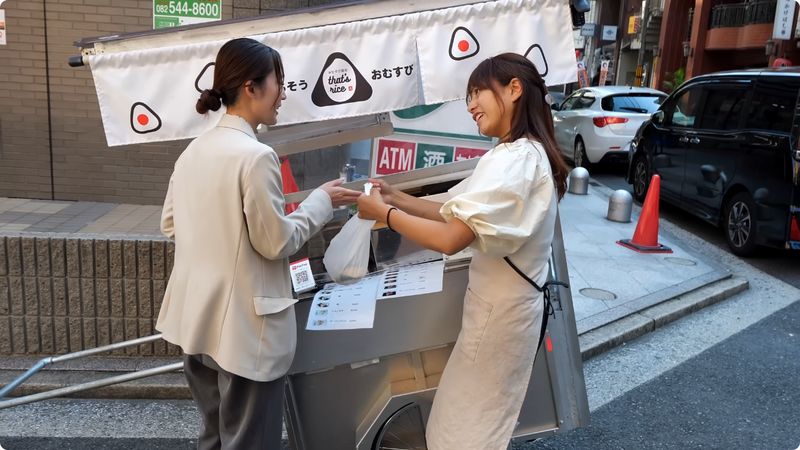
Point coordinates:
[(301, 277)]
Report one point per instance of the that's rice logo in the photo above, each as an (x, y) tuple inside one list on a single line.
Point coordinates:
[(340, 82), (143, 119)]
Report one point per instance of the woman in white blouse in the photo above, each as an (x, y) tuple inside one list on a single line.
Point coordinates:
[(506, 211)]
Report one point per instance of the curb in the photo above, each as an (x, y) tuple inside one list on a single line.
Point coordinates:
[(169, 386), (604, 338)]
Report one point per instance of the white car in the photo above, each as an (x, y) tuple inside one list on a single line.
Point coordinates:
[(597, 123)]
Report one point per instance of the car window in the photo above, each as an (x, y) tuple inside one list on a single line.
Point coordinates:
[(772, 106), (723, 108), (585, 102), (684, 108), (568, 103), (635, 103)]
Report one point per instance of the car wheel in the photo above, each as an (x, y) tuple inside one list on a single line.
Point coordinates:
[(740, 224), (579, 155), (641, 178)]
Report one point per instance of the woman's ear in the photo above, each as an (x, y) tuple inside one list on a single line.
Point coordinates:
[(515, 87), (248, 89)]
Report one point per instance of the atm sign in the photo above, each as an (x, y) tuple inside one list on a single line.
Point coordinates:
[(394, 156)]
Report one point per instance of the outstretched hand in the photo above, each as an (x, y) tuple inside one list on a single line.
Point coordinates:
[(372, 206), (339, 196), (388, 193)]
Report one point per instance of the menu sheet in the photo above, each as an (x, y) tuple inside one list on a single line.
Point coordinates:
[(344, 306), (352, 306), (406, 281)]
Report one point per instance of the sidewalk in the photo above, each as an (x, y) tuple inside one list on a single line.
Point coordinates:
[(619, 294), (43, 216)]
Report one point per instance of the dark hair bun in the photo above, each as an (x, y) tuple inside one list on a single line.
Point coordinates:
[(209, 100)]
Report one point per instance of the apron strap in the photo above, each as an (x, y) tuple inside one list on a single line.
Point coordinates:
[(545, 290)]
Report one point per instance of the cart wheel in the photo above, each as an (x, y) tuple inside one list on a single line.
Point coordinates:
[(404, 430)]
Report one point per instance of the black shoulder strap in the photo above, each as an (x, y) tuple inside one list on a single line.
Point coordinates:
[(545, 290)]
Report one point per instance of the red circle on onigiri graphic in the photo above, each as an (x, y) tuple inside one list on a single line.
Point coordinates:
[(143, 119), (463, 45)]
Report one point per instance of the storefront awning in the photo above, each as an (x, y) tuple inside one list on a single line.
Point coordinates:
[(342, 62)]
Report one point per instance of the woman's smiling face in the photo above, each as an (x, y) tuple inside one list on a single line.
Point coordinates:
[(492, 112)]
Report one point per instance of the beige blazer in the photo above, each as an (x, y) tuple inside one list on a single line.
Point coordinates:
[(230, 295)]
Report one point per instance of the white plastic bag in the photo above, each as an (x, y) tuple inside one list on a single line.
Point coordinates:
[(347, 256)]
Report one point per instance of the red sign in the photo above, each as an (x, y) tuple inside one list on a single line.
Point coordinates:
[(468, 153), (395, 156)]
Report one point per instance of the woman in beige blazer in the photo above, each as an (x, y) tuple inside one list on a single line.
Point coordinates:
[(229, 302)]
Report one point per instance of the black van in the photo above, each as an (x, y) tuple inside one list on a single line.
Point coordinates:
[(726, 147)]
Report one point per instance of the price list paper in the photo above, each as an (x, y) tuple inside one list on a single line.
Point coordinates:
[(406, 281), (352, 306), (344, 306)]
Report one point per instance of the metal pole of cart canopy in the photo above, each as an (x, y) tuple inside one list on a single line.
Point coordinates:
[(44, 362)]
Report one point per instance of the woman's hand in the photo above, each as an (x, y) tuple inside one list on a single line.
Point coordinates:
[(388, 193), (372, 206), (339, 196)]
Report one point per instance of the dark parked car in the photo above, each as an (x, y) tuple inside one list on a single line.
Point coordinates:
[(726, 147)]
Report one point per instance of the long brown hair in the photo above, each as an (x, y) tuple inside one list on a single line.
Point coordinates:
[(532, 116), (239, 61)]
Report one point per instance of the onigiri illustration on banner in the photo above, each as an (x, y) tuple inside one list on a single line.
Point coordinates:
[(336, 71)]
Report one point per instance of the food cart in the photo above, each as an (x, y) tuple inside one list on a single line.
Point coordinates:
[(366, 388)]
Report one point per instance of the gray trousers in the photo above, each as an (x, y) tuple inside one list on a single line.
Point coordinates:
[(238, 413)]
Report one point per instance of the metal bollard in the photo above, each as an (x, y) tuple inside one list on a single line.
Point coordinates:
[(620, 205), (579, 181)]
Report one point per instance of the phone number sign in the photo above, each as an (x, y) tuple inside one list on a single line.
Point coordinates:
[(173, 13)]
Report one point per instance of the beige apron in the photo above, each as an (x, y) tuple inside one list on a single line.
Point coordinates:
[(510, 204), (484, 383)]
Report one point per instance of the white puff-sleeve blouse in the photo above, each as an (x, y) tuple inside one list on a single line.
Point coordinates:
[(506, 199)]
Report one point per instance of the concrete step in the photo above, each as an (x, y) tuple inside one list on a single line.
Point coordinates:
[(164, 386), (101, 424), (83, 443), (69, 373)]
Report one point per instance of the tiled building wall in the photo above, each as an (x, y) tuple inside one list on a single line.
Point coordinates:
[(52, 144), (24, 141), (61, 294), (247, 8)]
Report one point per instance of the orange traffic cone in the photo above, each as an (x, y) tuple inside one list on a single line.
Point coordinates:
[(645, 238)]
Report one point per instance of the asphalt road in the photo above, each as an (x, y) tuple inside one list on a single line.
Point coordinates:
[(739, 394)]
